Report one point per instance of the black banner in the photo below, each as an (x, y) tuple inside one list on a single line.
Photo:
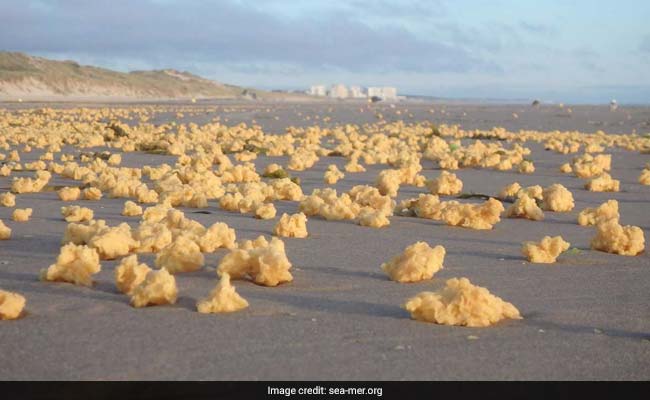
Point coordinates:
[(319, 390)]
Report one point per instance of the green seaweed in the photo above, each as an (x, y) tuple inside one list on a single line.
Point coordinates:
[(156, 151), (117, 130), (472, 195), (279, 174), (574, 251), (255, 149)]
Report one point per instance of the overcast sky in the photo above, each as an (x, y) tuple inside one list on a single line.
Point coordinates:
[(571, 51)]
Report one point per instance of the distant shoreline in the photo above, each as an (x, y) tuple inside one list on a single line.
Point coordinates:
[(288, 98)]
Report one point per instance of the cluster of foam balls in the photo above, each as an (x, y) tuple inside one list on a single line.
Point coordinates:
[(214, 168)]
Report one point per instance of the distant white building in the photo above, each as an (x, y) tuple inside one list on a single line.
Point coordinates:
[(356, 92), (339, 91), (384, 93), (317, 90)]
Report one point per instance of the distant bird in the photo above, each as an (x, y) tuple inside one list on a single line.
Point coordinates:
[(535, 103)]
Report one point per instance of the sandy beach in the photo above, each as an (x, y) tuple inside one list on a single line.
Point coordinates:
[(585, 317)]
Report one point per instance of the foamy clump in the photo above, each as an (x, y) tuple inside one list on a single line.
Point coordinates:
[(222, 299), (461, 303), (546, 251), (416, 263)]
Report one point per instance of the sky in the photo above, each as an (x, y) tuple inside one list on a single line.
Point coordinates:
[(564, 51)]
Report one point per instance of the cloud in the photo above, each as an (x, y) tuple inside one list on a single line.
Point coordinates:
[(225, 32), (417, 45), (534, 28), (644, 45), (400, 8)]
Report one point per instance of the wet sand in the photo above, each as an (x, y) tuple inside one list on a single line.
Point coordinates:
[(585, 317)]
